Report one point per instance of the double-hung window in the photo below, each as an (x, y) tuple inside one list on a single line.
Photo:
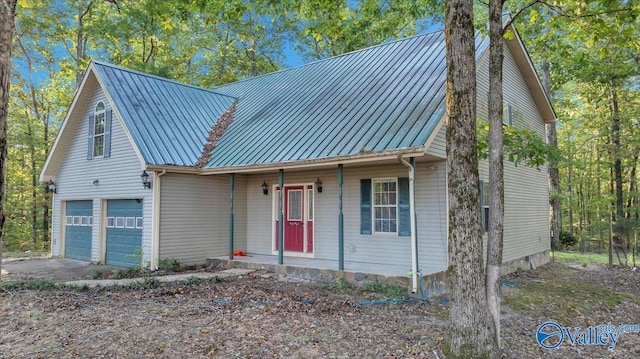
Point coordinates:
[(385, 206), (98, 131)]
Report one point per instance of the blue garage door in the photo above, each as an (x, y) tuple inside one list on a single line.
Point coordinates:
[(124, 232), (78, 223)]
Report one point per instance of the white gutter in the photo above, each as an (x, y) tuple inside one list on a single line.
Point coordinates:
[(296, 165), (414, 237)]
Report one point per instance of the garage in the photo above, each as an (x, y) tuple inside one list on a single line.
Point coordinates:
[(78, 225), (124, 232)]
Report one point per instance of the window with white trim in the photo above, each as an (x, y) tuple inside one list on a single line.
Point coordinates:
[(385, 205), (98, 130)]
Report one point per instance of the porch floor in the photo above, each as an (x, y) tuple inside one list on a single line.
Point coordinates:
[(359, 274), (359, 267)]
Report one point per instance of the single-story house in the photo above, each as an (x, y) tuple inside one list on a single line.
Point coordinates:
[(342, 159)]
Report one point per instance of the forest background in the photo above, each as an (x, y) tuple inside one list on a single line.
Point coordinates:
[(587, 55)]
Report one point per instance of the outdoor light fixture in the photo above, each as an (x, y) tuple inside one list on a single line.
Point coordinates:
[(96, 182), (265, 188), (146, 182), (51, 187), (319, 185)]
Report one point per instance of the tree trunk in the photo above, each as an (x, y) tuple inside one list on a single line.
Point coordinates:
[(617, 167), (471, 331), (7, 16), (45, 210), (496, 164), (555, 202), (618, 229), (34, 183)]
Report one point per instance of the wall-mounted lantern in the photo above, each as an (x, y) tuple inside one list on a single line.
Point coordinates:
[(319, 185), (265, 188), (146, 182), (51, 187)]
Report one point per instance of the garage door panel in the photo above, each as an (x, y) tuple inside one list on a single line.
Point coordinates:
[(78, 227), (124, 238)]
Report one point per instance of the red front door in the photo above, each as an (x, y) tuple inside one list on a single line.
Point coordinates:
[(294, 218), (297, 218)]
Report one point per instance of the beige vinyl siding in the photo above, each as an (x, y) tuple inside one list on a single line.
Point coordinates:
[(438, 146), (526, 223), (194, 216), (376, 248), (118, 178)]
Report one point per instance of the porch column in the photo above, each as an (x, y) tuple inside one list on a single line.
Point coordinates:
[(340, 221), (280, 218), (233, 186)]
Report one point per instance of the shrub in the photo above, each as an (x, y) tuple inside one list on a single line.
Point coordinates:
[(567, 239)]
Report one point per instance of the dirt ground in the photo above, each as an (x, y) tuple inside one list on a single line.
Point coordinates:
[(263, 316), (55, 270)]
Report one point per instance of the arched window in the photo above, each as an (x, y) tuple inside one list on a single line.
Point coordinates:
[(98, 131)]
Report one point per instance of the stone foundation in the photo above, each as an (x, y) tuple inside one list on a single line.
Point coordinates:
[(433, 284)]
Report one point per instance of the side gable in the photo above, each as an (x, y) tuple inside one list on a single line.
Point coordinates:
[(522, 58)]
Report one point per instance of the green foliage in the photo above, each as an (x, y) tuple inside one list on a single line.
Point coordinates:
[(34, 284), (95, 274), (194, 281), (390, 291), (520, 145), (374, 287), (144, 284), (339, 284), (567, 239), (577, 257), (126, 273), (169, 264)]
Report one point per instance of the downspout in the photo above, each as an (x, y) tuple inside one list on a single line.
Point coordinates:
[(340, 220), (412, 210), (155, 235), (232, 184)]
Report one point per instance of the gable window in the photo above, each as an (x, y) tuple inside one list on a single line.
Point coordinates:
[(507, 111), (98, 131), (507, 114), (384, 206), (99, 143)]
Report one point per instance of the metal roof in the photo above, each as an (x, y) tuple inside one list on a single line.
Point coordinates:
[(169, 121), (386, 97)]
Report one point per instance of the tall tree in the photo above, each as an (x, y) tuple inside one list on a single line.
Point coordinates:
[(471, 331), (496, 165), (7, 16)]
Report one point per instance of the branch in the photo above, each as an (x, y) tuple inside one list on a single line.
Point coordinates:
[(32, 88)]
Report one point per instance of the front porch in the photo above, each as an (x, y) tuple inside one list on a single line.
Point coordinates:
[(324, 270)]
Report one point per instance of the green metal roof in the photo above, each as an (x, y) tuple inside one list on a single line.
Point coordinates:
[(169, 121), (387, 97), (382, 98)]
